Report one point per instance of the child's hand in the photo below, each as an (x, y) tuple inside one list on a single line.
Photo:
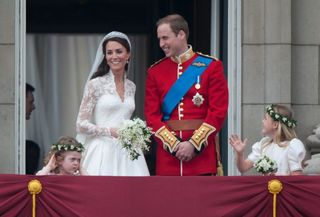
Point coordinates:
[(52, 164), (237, 144)]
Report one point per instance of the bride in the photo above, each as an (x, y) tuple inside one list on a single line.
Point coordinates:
[(108, 100)]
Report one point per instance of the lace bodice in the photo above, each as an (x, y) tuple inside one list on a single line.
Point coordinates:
[(102, 108)]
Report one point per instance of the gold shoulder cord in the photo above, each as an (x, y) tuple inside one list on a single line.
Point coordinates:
[(157, 62), (212, 57)]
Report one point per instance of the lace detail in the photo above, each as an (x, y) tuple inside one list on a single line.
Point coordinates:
[(130, 88), (101, 107)]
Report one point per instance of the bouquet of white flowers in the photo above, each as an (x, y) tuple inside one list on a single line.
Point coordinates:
[(265, 165), (134, 136)]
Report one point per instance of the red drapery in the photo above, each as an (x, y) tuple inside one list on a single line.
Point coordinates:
[(88, 196)]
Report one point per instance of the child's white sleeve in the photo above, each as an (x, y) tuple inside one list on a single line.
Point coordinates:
[(256, 152), (44, 171), (296, 154)]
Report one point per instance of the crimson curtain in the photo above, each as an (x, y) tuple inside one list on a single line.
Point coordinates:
[(92, 196)]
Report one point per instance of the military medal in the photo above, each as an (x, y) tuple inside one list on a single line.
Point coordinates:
[(197, 86), (197, 99)]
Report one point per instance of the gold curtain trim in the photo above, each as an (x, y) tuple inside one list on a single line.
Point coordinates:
[(34, 187), (274, 187)]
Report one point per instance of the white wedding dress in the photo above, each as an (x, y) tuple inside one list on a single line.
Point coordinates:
[(100, 110)]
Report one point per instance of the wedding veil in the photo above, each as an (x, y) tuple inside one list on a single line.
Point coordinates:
[(99, 57)]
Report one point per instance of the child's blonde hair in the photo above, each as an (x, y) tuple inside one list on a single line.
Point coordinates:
[(284, 116), (64, 144)]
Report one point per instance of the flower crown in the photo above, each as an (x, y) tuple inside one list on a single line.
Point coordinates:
[(68, 147), (279, 117)]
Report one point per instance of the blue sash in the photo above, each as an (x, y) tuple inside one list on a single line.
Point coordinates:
[(183, 84)]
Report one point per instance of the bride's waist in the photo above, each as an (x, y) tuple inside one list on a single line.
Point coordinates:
[(101, 138), (108, 125)]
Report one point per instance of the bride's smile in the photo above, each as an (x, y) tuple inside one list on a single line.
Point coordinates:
[(117, 56)]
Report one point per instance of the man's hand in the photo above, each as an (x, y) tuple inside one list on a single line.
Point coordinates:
[(185, 151)]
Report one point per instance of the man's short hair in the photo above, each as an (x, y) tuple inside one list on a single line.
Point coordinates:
[(176, 22), (29, 88)]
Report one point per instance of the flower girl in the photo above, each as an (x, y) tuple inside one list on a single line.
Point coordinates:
[(64, 158), (279, 146)]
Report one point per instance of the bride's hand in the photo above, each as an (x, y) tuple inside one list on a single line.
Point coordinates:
[(114, 132)]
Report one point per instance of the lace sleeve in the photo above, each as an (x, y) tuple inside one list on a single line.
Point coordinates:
[(131, 88), (84, 120)]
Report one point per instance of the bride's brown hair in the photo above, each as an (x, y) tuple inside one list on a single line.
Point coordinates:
[(104, 68)]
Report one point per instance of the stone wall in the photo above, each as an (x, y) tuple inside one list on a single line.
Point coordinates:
[(305, 64), (266, 61), (7, 86), (280, 62)]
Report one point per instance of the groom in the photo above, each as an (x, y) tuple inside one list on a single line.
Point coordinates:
[(185, 104)]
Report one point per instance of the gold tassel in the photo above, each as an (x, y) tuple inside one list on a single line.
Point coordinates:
[(219, 164), (34, 187), (274, 187), (219, 169)]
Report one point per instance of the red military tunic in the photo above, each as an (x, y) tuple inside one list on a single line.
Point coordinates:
[(214, 90)]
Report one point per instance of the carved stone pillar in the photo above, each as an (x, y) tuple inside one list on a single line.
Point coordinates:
[(313, 144), (313, 141)]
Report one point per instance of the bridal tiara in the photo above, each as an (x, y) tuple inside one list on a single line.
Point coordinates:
[(115, 34)]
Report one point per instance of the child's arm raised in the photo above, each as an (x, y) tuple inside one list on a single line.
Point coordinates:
[(239, 146), (46, 170)]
